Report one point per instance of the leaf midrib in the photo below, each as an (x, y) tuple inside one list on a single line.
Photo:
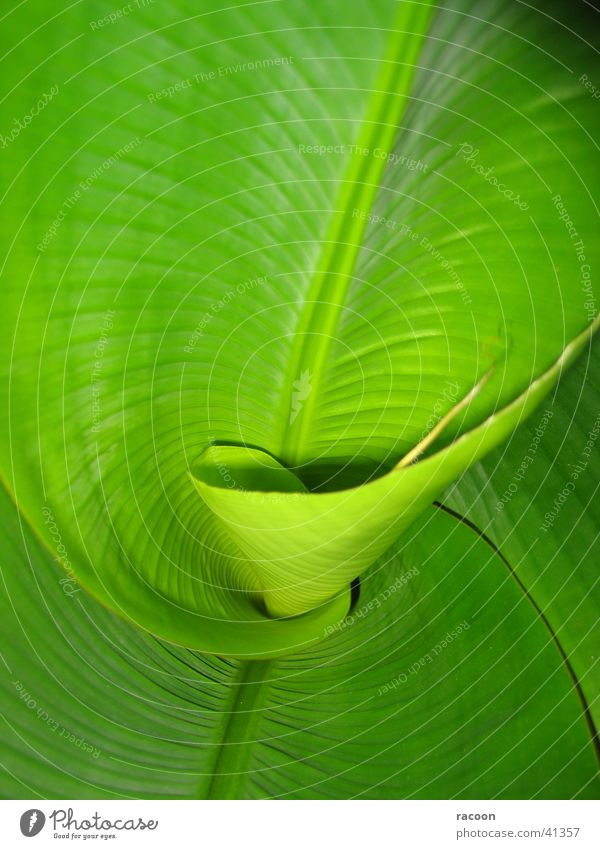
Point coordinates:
[(234, 752), (343, 241)]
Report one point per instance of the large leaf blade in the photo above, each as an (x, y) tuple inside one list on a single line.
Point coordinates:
[(365, 714)]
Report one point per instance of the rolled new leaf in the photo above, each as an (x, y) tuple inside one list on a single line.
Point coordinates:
[(306, 547)]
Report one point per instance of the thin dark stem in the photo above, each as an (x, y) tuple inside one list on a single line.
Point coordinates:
[(555, 639)]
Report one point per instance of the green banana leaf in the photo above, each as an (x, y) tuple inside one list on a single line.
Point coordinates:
[(536, 498), (443, 682), (275, 275)]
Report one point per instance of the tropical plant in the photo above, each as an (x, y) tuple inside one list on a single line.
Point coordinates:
[(299, 483)]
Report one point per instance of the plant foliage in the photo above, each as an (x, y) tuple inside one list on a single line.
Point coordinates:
[(290, 294)]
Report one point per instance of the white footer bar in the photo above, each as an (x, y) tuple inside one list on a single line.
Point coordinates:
[(301, 825)]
